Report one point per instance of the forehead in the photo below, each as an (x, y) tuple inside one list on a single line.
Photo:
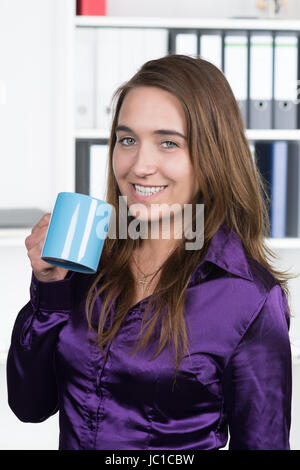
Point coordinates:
[(145, 104)]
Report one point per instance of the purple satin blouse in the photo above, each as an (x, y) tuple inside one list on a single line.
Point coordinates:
[(237, 377)]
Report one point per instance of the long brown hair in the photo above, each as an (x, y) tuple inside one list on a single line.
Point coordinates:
[(232, 191)]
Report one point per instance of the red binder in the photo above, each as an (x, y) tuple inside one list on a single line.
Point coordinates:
[(91, 7)]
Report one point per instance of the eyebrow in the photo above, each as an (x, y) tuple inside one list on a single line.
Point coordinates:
[(158, 131)]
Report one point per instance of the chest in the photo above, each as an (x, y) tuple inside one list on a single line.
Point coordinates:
[(213, 326)]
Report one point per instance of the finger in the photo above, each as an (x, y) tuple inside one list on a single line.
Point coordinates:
[(34, 254), (36, 229), (43, 222), (36, 237)]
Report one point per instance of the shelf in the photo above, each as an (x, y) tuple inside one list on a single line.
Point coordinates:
[(273, 134), (284, 243), (13, 237), (91, 134), (252, 134), (3, 357), (180, 23), (295, 350)]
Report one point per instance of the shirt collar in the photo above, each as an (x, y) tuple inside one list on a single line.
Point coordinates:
[(226, 251)]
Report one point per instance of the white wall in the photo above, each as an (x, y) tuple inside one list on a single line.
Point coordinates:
[(26, 116), (36, 160), (30, 108)]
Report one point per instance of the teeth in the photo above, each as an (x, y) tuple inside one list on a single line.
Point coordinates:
[(144, 191)]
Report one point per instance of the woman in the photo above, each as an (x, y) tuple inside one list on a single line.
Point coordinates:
[(165, 347)]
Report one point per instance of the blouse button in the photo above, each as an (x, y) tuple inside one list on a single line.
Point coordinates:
[(90, 421)]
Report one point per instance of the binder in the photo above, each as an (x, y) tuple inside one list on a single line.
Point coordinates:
[(211, 48), (120, 53), (91, 7), (107, 73), (84, 78), (279, 189), (285, 86), (272, 161), (261, 81), (147, 44), (130, 40), (98, 171), (293, 191), (186, 44), (263, 157), (236, 68), (155, 43)]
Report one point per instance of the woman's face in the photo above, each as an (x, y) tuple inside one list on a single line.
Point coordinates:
[(151, 153)]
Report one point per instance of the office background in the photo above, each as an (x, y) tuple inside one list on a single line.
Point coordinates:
[(53, 133)]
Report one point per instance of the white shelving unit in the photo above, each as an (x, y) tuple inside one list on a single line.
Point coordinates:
[(205, 24)]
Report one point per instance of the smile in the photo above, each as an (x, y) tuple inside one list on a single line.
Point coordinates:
[(147, 191)]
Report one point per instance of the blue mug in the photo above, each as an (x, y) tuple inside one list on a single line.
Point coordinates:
[(76, 232)]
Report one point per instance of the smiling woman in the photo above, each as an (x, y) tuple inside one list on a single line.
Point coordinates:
[(164, 347)]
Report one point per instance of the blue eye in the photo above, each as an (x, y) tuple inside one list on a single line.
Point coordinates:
[(170, 142), (122, 141)]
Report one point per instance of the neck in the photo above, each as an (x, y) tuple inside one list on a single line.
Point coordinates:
[(159, 244)]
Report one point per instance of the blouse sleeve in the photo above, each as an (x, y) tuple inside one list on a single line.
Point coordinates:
[(257, 380), (31, 378)]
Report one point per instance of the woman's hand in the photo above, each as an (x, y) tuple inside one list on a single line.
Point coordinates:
[(43, 271)]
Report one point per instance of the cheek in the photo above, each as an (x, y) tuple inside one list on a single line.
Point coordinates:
[(185, 173), (119, 166)]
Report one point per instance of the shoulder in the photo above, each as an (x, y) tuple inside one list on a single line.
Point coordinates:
[(237, 301), (260, 300), (223, 309), (268, 286), (262, 277), (259, 312)]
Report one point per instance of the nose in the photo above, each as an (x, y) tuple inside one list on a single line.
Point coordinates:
[(144, 162)]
